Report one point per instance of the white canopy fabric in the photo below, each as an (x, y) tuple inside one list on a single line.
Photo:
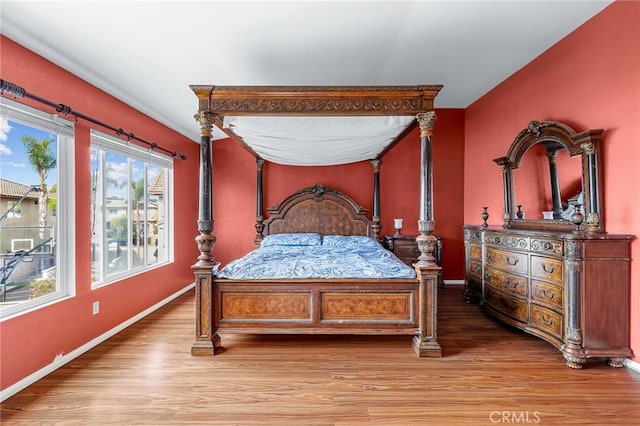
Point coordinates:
[(317, 141)]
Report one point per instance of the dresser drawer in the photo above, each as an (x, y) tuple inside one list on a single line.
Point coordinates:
[(475, 269), (547, 294), (546, 268), (475, 251), (404, 250), (508, 305), (509, 283), (547, 246), (546, 319), (507, 261)]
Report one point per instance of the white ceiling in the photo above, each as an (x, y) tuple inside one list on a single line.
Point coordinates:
[(147, 53)]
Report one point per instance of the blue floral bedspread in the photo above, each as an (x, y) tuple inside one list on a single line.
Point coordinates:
[(308, 256)]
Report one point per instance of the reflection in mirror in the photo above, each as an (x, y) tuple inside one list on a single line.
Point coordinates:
[(548, 183)]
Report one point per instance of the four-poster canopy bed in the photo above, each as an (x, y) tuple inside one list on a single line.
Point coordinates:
[(260, 116)]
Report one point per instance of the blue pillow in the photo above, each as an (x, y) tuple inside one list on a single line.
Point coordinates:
[(349, 241), (293, 239)]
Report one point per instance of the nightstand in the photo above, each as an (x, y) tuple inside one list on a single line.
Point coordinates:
[(406, 249)]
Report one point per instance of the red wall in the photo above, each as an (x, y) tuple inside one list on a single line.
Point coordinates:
[(590, 79), (234, 189), (31, 341)]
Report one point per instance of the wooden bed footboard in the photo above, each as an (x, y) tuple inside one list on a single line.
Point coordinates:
[(316, 307), (356, 306)]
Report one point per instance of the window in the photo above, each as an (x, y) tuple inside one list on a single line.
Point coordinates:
[(37, 245), (131, 191), (14, 210)]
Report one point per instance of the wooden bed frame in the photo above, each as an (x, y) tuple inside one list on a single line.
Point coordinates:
[(316, 306)]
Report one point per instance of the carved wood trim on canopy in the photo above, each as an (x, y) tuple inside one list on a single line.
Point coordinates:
[(316, 100)]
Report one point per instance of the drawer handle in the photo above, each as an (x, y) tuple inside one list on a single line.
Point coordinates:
[(546, 321), (477, 269), (515, 261), (551, 270), (487, 276), (548, 296), (489, 255), (511, 284)]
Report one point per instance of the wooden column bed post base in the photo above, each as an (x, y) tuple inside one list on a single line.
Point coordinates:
[(207, 340), (425, 344)]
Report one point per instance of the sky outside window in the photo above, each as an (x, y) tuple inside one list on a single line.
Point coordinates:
[(14, 163)]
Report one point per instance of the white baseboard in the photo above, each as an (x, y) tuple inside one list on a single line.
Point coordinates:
[(454, 282), (61, 360), (632, 365)]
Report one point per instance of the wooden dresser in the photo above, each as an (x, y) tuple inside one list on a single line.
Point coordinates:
[(405, 248), (570, 289), (555, 274)]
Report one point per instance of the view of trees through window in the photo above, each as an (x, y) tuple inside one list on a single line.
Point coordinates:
[(129, 201), (28, 205)]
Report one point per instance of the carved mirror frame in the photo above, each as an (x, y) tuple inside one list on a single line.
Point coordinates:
[(586, 144)]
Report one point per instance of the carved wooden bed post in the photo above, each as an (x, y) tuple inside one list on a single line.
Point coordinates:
[(259, 203), (375, 219), (206, 339), (426, 344)]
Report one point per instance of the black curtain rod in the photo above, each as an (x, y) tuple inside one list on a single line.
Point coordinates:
[(19, 92)]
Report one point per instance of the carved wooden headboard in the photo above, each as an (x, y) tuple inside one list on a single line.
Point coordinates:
[(318, 209)]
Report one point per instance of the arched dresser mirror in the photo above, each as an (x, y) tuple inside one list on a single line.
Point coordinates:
[(552, 206), (551, 269)]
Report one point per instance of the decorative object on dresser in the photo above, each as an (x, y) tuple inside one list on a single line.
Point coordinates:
[(406, 249), (562, 279), (485, 216)]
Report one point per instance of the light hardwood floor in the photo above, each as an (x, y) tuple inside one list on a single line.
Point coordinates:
[(490, 374)]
